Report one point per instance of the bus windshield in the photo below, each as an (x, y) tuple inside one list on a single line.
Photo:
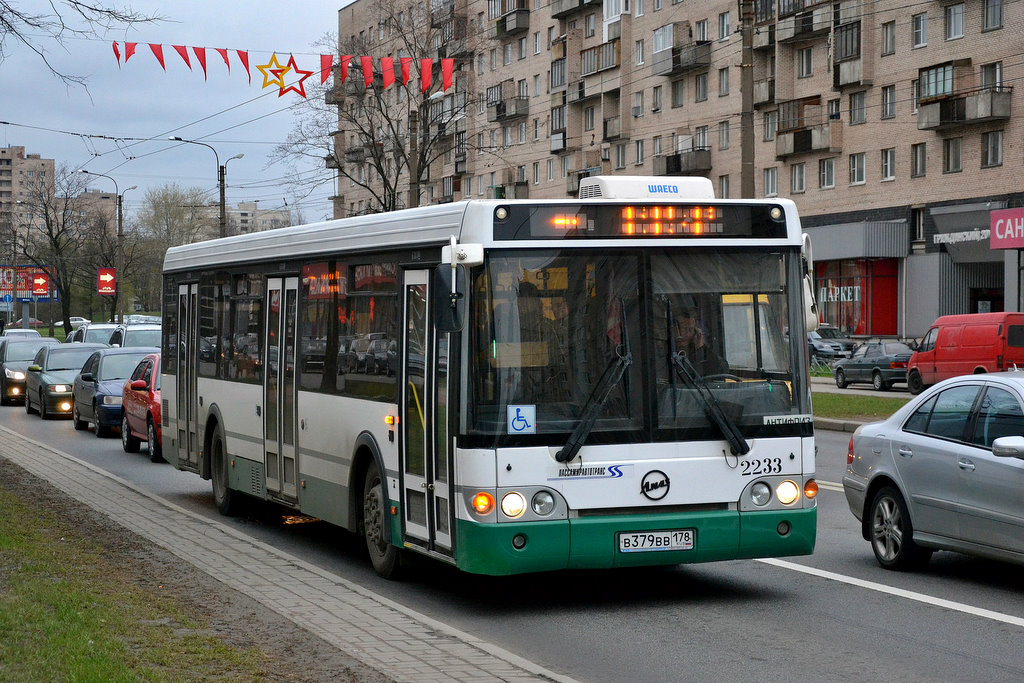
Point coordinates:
[(549, 325)]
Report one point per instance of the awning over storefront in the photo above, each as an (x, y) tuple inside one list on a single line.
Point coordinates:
[(866, 239), (964, 230)]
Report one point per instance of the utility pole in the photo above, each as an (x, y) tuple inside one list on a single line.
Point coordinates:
[(414, 158), (747, 100)]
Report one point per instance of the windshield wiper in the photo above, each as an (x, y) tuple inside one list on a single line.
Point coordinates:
[(712, 408), (599, 397)]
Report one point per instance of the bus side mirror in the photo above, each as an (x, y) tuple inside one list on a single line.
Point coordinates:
[(449, 302)]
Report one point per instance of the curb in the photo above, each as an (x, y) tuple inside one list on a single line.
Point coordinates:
[(836, 425)]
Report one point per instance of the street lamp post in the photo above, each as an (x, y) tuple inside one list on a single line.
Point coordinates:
[(221, 177), (119, 249)]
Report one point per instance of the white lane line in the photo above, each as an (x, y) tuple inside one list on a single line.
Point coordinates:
[(898, 592), (830, 485)]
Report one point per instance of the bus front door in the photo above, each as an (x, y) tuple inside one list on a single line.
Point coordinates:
[(187, 430), (280, 449), (426, 444)]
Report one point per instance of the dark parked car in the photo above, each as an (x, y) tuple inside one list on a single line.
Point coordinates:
[(945, 472), (16, 355), (378, 352), (140, 402), (824, 349), (48, 380), (98, 388), (833, 335), (880, 363)]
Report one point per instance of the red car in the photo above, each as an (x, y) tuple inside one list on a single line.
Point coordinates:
[(140, 408)]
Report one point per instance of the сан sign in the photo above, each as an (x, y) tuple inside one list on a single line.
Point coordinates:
[(1006, 229)]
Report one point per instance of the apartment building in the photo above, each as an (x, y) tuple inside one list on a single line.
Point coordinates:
[(248, 217), (22, 176), (895, 127)]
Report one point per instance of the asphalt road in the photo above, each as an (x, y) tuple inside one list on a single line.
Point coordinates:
[(834, 615)]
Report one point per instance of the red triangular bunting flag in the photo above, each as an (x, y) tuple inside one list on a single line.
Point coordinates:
[(243, 56), (158, 52), (447, 67), (406, 66), (387, 70), (224, 55), (326, 62), (345, 59), (129, 50), (200, 53), (181, 50), (426, 73), (117, 54), (367, 70)]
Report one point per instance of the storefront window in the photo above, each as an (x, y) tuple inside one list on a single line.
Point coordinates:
[(859, 296)]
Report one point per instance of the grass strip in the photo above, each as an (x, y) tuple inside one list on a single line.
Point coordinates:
[(855, 407)]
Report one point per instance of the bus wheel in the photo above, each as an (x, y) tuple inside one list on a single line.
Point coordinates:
[(383, 555), (223, 496), (914, 382)]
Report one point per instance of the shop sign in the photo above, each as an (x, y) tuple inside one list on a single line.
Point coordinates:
[(1007, 229)]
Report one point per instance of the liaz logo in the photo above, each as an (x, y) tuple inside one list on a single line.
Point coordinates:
[(663, 188), (654, 485)]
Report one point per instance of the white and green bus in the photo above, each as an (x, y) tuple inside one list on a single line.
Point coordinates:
[(509, 386)]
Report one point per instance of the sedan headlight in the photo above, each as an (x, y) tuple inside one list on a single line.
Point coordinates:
[(59, 388), (14, 374), (111, 400)]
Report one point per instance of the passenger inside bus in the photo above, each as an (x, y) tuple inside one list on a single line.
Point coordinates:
[(692, 341)]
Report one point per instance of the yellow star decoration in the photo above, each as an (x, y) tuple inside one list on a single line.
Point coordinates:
[(273, 67)]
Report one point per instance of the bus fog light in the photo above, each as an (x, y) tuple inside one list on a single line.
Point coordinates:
[(760, 493), (513, 504), (787, 492), (483, 503), (783, 528), (543, 503), (519, 541)]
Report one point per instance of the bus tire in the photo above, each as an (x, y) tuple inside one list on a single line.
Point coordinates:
[(227, 500), (384, 556)]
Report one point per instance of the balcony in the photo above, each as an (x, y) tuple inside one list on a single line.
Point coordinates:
[(355, 154), (965, 108), (599, 58), (764, 37), (331, 161), (461, 164), (516, 21), (441, 12), (688, 162), (512, 108), (681, 59), (558, 142), (612, 128), (850, 72), (814, 136), (764, 92), (805, 26), (563, 8)]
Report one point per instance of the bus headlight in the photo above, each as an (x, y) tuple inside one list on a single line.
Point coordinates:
[(787, 492), (513, 504), (760, 494), (543, 503)]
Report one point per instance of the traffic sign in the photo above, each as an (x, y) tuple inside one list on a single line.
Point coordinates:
[(107, 281), (40, 284)]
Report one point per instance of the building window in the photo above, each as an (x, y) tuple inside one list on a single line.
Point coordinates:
[(917, 224), (798, 176), (522, 48), (857, 169), (551, 170), (954, 21), (678, 93), (638, 103), (620, 155), (834, 108), (918, 160), (888, 38), (992, 149), (805, 62), (826, 173), (639, 52), (588, 26), (723, 82), (936, 81), (857, 112), (993, 14), (700, 87), (638, 8), (536, 173), (951, 161), (588, 118), (919, 22), (656, 145), (536, 43), (992, 75), (700, 137), (723, 186), (888, 101), (638, 149), (723, 135), (889, 164), (915, 94), (701, 30), (847, 41), (771, 124), (657, 5), (723, 26), (771, 182), (656, 98)]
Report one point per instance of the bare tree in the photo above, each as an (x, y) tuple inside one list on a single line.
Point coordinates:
[(387, 137), (41, 24)]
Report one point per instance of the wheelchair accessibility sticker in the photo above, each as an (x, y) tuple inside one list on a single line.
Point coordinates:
[(522, 419)]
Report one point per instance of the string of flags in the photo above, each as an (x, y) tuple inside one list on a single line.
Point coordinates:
[(288, 77)]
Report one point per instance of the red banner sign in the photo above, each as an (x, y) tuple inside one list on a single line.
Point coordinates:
[(1006, 229), (107, 281), (40, 284)]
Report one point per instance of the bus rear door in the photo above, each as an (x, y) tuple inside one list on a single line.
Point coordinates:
[(280, 448), (187, 429)]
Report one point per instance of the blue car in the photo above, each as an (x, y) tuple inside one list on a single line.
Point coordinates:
[(99, 387)]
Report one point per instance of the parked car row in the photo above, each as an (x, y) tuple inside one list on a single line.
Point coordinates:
[(93, 383)]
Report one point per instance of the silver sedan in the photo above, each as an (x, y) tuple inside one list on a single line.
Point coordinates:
[(945, 472)]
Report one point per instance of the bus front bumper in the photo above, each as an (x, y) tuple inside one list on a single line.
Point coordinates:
[(593, 542)]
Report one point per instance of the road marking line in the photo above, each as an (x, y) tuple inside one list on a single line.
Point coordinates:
[(898, 592), (830, 485)]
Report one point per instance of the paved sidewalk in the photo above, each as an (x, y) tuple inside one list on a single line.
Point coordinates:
[(378, 632)]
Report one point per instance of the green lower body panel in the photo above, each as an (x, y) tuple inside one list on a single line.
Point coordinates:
[(593, 542)]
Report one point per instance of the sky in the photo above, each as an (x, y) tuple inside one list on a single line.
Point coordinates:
[(120, 124)]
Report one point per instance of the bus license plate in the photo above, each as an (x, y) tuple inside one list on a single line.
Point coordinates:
[(653, 541)]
